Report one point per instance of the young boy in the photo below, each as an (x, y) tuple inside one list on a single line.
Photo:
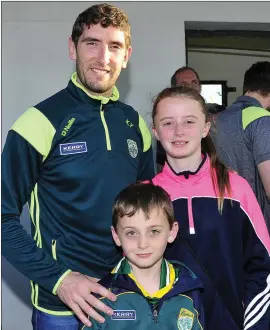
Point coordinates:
[(152, 293)]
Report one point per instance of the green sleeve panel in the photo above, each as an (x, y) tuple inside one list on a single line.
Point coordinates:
[(252, 113), (146, 135), (36, 129)]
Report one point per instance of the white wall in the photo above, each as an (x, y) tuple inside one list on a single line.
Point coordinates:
[(225, 64), (35, 65)]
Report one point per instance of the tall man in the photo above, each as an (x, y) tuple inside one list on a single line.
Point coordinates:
[(76, 151), (242, 134)]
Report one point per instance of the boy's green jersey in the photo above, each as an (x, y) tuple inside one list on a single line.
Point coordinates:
[(176, 305)]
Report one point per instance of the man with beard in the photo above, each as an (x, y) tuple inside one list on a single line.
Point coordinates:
[(242, 135), (77, 149)]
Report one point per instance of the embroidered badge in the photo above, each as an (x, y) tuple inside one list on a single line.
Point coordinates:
[(124, 315), (185, 319), (73, 148), (132, 148), (129, 123)]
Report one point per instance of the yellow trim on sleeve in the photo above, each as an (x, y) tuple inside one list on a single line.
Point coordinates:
[(32, 291), (146, 135), (252, 113), (36, 294), (36, 129), (60, 280), (38, 236), (31, 211), (54, 255), (56, 313)]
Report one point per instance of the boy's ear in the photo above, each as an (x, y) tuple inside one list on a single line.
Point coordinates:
[(173, 232), (115, 236)]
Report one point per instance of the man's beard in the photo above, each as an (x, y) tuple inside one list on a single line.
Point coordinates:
[(94, 88)]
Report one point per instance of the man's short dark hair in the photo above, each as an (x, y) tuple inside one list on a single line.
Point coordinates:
[(214, 108), (104, 14), (142, 197), (257, 79), (180, 70)]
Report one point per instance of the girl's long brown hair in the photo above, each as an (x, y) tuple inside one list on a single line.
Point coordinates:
[(219, 172)]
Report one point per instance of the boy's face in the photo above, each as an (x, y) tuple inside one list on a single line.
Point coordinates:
[(144, 240)]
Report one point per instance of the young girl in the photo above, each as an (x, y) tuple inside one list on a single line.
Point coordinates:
[(222, 233)]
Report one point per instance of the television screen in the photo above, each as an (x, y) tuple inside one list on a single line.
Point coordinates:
[(212, 93)]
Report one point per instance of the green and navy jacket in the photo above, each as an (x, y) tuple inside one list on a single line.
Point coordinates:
[(242, 140), (176, 305), (68, 157)]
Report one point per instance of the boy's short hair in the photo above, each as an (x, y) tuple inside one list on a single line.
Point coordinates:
[(257, 78), (144, 197)]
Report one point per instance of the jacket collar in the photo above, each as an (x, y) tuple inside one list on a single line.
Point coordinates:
[(188, 177), (180, 280), (167, 277), (84, 94), (243, 102)]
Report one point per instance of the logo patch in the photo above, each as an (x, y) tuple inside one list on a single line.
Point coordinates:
[(129, 123), (124, 315), (67, 127), (73, 148), (185, 319), (132, 148)]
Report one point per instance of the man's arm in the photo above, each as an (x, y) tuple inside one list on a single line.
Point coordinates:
[(258, 135), (264, 171), (26, 147), (21, 165)]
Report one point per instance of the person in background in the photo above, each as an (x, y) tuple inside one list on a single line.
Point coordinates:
[(242, 134), (68, 157), (223, 237), (152, 293), (214, 110), (184, 76)]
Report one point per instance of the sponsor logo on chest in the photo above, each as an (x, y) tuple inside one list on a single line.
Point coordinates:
[(124, 315), (73, 148)]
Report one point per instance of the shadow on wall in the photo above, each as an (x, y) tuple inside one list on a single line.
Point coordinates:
[(124, 83), (17, 283)]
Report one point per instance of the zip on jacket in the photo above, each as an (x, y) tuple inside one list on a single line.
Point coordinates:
[(175, 305)]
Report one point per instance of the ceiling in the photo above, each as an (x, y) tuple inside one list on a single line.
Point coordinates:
[(225, 35), (192, 25)]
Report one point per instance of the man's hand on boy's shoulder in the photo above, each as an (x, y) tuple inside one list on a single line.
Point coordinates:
[(75, 291)]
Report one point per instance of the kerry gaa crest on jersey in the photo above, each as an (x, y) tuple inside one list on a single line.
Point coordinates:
[(185, 319), (132, 148)]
